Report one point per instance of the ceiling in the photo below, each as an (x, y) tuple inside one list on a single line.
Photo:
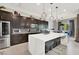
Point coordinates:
[(65, 10)]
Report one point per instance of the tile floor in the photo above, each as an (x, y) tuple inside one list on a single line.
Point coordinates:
[(59, 50), (20, 49), (67, 48)]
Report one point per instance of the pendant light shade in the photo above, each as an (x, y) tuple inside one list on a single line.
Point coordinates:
[(43, 15), (50, 20), (51, 14), (56, 13)]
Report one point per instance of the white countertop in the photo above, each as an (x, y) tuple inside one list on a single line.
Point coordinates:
[(23, 32), (19, 32), (47, 37)]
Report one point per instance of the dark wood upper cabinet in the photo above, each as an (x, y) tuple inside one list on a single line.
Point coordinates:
[(18, 21), (15, 22), (5, 15), (23, 22)]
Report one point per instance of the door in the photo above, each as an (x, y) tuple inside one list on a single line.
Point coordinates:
[(72, 28), (0, 29)]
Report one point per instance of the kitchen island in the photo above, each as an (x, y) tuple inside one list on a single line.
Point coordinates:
[(38, 42)]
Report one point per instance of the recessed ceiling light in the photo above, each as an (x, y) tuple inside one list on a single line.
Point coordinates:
[(49, 9), (38, 4), (64, 10)]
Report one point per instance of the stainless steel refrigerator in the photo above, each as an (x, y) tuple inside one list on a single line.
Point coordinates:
[(4, 34)]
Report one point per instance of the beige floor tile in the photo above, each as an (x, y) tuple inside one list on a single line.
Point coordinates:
[(70, 48)]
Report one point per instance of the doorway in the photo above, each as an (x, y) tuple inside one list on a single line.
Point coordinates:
[(72, 28)]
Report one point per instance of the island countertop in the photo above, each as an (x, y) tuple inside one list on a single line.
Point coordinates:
[(47, 37)]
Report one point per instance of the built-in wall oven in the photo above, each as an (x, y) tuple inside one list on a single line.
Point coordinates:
[(4, 34)]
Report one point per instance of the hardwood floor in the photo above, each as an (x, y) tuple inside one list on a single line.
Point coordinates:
[(72, 48)]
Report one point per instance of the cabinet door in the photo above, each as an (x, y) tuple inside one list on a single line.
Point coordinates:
[(19, 38), (6, 16), (16, 22), (15, 39), (22, 22)]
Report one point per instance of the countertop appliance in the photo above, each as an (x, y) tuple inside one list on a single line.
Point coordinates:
[(4, 34)]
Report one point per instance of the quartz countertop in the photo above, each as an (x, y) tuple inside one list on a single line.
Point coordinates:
[(24, 32), (47, 37)]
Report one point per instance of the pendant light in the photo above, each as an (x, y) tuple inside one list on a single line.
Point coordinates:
[(51, 12), (51, 17), (43, 15), (56, 13), (56, 19)]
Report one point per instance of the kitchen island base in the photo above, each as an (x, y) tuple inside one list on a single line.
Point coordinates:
[(49, 45), (39, 44)]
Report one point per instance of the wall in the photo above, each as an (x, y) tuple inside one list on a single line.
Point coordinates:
[(77, 29), (75, 24)]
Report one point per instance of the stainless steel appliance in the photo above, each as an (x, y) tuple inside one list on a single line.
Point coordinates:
[(4, 34)]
